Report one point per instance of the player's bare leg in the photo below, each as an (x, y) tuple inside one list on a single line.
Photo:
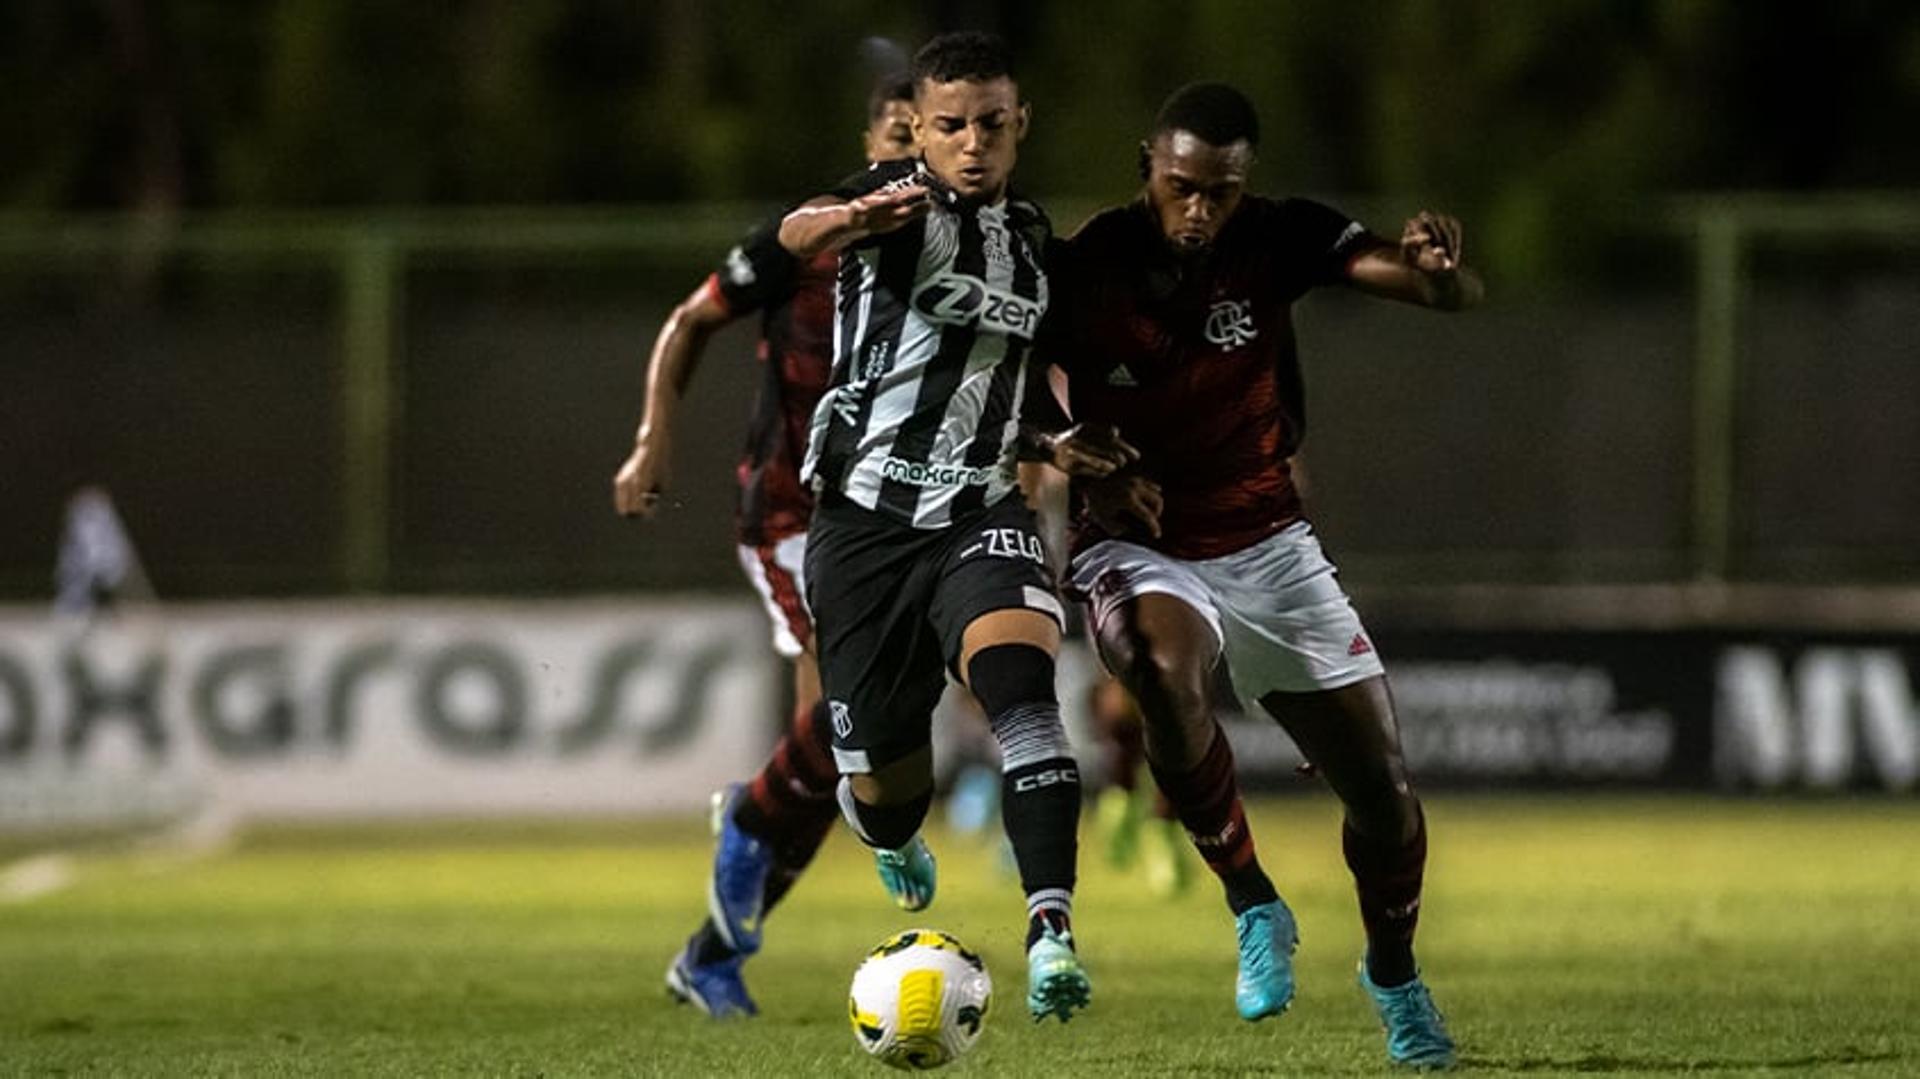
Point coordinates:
[(1351, 737), (1163, 650), (1007, 657)]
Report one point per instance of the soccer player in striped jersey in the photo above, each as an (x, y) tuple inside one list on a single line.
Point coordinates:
[(770, 827), (1173, 325), (923, 557)]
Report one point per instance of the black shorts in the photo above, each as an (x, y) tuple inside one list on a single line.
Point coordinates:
[(890, 605)]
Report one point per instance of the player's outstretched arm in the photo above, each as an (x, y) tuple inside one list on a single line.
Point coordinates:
[(648, 470), (829, 224), (1427, 267)]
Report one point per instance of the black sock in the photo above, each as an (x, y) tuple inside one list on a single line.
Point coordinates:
[(888, 827), (1247, 888), (1039, 783), (1040, 805)]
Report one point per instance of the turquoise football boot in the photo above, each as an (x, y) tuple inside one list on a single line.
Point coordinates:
[(908, 874), (1416, 1035), (1268, 938), (1057, 984)]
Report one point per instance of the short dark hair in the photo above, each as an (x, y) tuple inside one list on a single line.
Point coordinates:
[(966, 54), (1218, 113), (897, 86)]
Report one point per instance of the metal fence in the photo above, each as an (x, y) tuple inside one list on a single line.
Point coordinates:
[(436, 403)]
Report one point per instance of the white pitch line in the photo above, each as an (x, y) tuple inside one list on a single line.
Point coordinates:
[(202, 836), (31, 878)]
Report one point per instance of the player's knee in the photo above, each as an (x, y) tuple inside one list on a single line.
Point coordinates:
[(1171, 689), (888, 827), (1385, 807)]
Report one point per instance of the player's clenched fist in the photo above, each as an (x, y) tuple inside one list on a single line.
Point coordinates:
[(1431, 242), (637, 486)]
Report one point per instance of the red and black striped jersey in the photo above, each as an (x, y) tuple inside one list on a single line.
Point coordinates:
[(1194, 361)]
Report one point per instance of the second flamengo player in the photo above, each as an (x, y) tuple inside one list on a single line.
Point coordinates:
[(771, 826), (1173, 322)]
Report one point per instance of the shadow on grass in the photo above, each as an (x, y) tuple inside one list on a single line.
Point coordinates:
[(1607, 1062)]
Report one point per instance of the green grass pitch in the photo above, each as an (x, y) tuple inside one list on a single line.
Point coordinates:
[(1642, 936)]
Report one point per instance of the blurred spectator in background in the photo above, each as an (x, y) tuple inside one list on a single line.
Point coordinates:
[(98, 568)]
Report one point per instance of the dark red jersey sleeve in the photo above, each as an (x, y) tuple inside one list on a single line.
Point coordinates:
[(758, 272), (1313, 242)]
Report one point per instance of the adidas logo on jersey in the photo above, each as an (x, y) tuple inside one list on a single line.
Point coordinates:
[(1120, 376)]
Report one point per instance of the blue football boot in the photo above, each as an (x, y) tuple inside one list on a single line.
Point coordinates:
[(1416, 1035), (714, 988), (908, 874), (737, 889), (1267, 940)]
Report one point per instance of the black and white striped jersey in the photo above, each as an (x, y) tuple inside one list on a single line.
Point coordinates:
[(933, 326)]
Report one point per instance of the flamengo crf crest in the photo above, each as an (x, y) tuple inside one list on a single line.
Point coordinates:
[(1230, 324)]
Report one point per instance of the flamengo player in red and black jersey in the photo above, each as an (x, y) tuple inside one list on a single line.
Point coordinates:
[(1173, 327), (771, 826)]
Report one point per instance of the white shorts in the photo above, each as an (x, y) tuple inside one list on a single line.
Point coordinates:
[(778, 572), (1276, 608)]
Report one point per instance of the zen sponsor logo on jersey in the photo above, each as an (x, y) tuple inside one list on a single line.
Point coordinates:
[(964, 300), (921, 474)]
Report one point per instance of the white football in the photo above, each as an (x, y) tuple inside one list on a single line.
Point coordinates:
[(920, 999)]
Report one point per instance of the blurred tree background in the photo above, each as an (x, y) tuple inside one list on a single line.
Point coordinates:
[(1524, 115)]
